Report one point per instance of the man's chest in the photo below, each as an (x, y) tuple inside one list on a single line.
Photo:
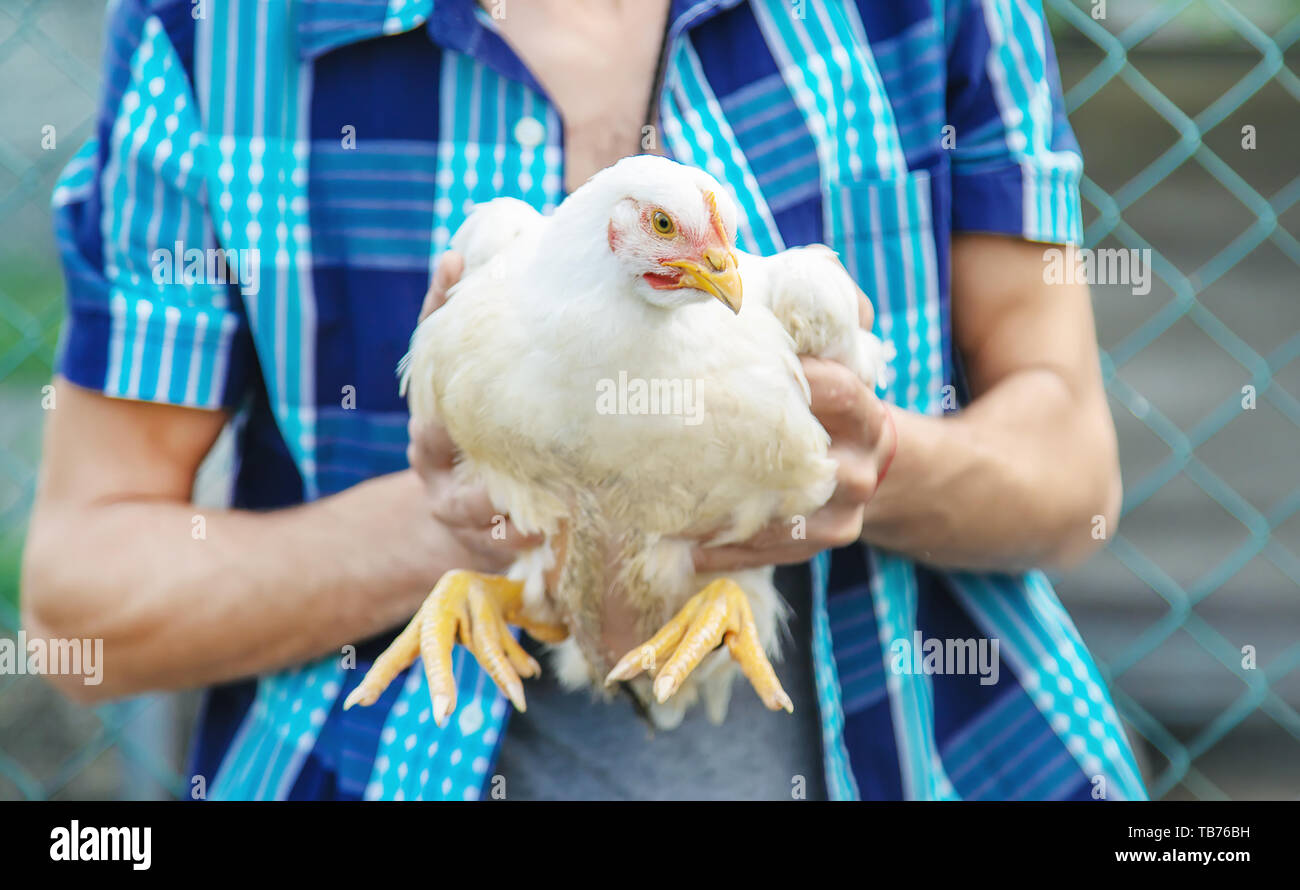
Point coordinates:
[(527, 109), (599, 67)]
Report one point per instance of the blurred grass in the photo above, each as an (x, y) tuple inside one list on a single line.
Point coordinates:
[(31, 311), (10, 562)]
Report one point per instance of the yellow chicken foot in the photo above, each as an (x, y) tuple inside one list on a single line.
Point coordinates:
[(719, 613), (475, 608)]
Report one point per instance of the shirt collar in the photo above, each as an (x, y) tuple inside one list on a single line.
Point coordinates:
[(462, 25), (323, 25)]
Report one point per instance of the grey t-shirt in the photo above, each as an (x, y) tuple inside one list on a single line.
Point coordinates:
[(567, 747)]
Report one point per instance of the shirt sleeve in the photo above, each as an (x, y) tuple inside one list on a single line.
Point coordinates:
[(153, 306), (1016, 166)]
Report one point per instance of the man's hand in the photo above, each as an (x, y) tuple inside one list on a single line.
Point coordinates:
[(862, 442), (464, 509)]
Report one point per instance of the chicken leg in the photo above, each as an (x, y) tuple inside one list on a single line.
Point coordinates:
[(719, 613), (475, 608)]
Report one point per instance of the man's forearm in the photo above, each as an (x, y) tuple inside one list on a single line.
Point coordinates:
[(1015, 480), (253, 592)]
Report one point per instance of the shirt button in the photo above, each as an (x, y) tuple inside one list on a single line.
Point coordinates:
[(529, 132)]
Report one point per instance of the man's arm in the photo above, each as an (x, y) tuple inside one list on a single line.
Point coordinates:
[(1017, 478), (110, 555)]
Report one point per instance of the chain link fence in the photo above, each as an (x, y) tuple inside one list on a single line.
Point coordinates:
[(1187, 113)]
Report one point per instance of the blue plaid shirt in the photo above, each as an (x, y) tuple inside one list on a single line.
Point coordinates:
[(345, 140)]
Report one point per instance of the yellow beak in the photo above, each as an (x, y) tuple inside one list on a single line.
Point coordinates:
[(718, 276)]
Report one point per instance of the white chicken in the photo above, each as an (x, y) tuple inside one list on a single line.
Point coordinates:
[(599, 375)]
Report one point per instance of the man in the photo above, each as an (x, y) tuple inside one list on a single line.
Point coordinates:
[(344, 144)]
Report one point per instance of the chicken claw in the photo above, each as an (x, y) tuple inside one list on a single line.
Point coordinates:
[(719, 613), (475, 608)]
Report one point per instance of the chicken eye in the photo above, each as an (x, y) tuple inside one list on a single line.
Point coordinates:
[(663, 224)]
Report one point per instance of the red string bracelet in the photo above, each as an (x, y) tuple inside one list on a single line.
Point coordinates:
[(893, 449)]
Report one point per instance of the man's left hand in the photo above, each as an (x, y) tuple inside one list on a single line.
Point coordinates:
[(863, 439)]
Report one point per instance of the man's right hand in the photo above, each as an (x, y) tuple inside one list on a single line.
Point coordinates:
[(464, 509)]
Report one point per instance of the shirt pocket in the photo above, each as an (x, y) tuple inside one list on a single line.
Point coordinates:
[(883, 231)]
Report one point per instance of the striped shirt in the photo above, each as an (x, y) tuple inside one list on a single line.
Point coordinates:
[(329, 148)]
